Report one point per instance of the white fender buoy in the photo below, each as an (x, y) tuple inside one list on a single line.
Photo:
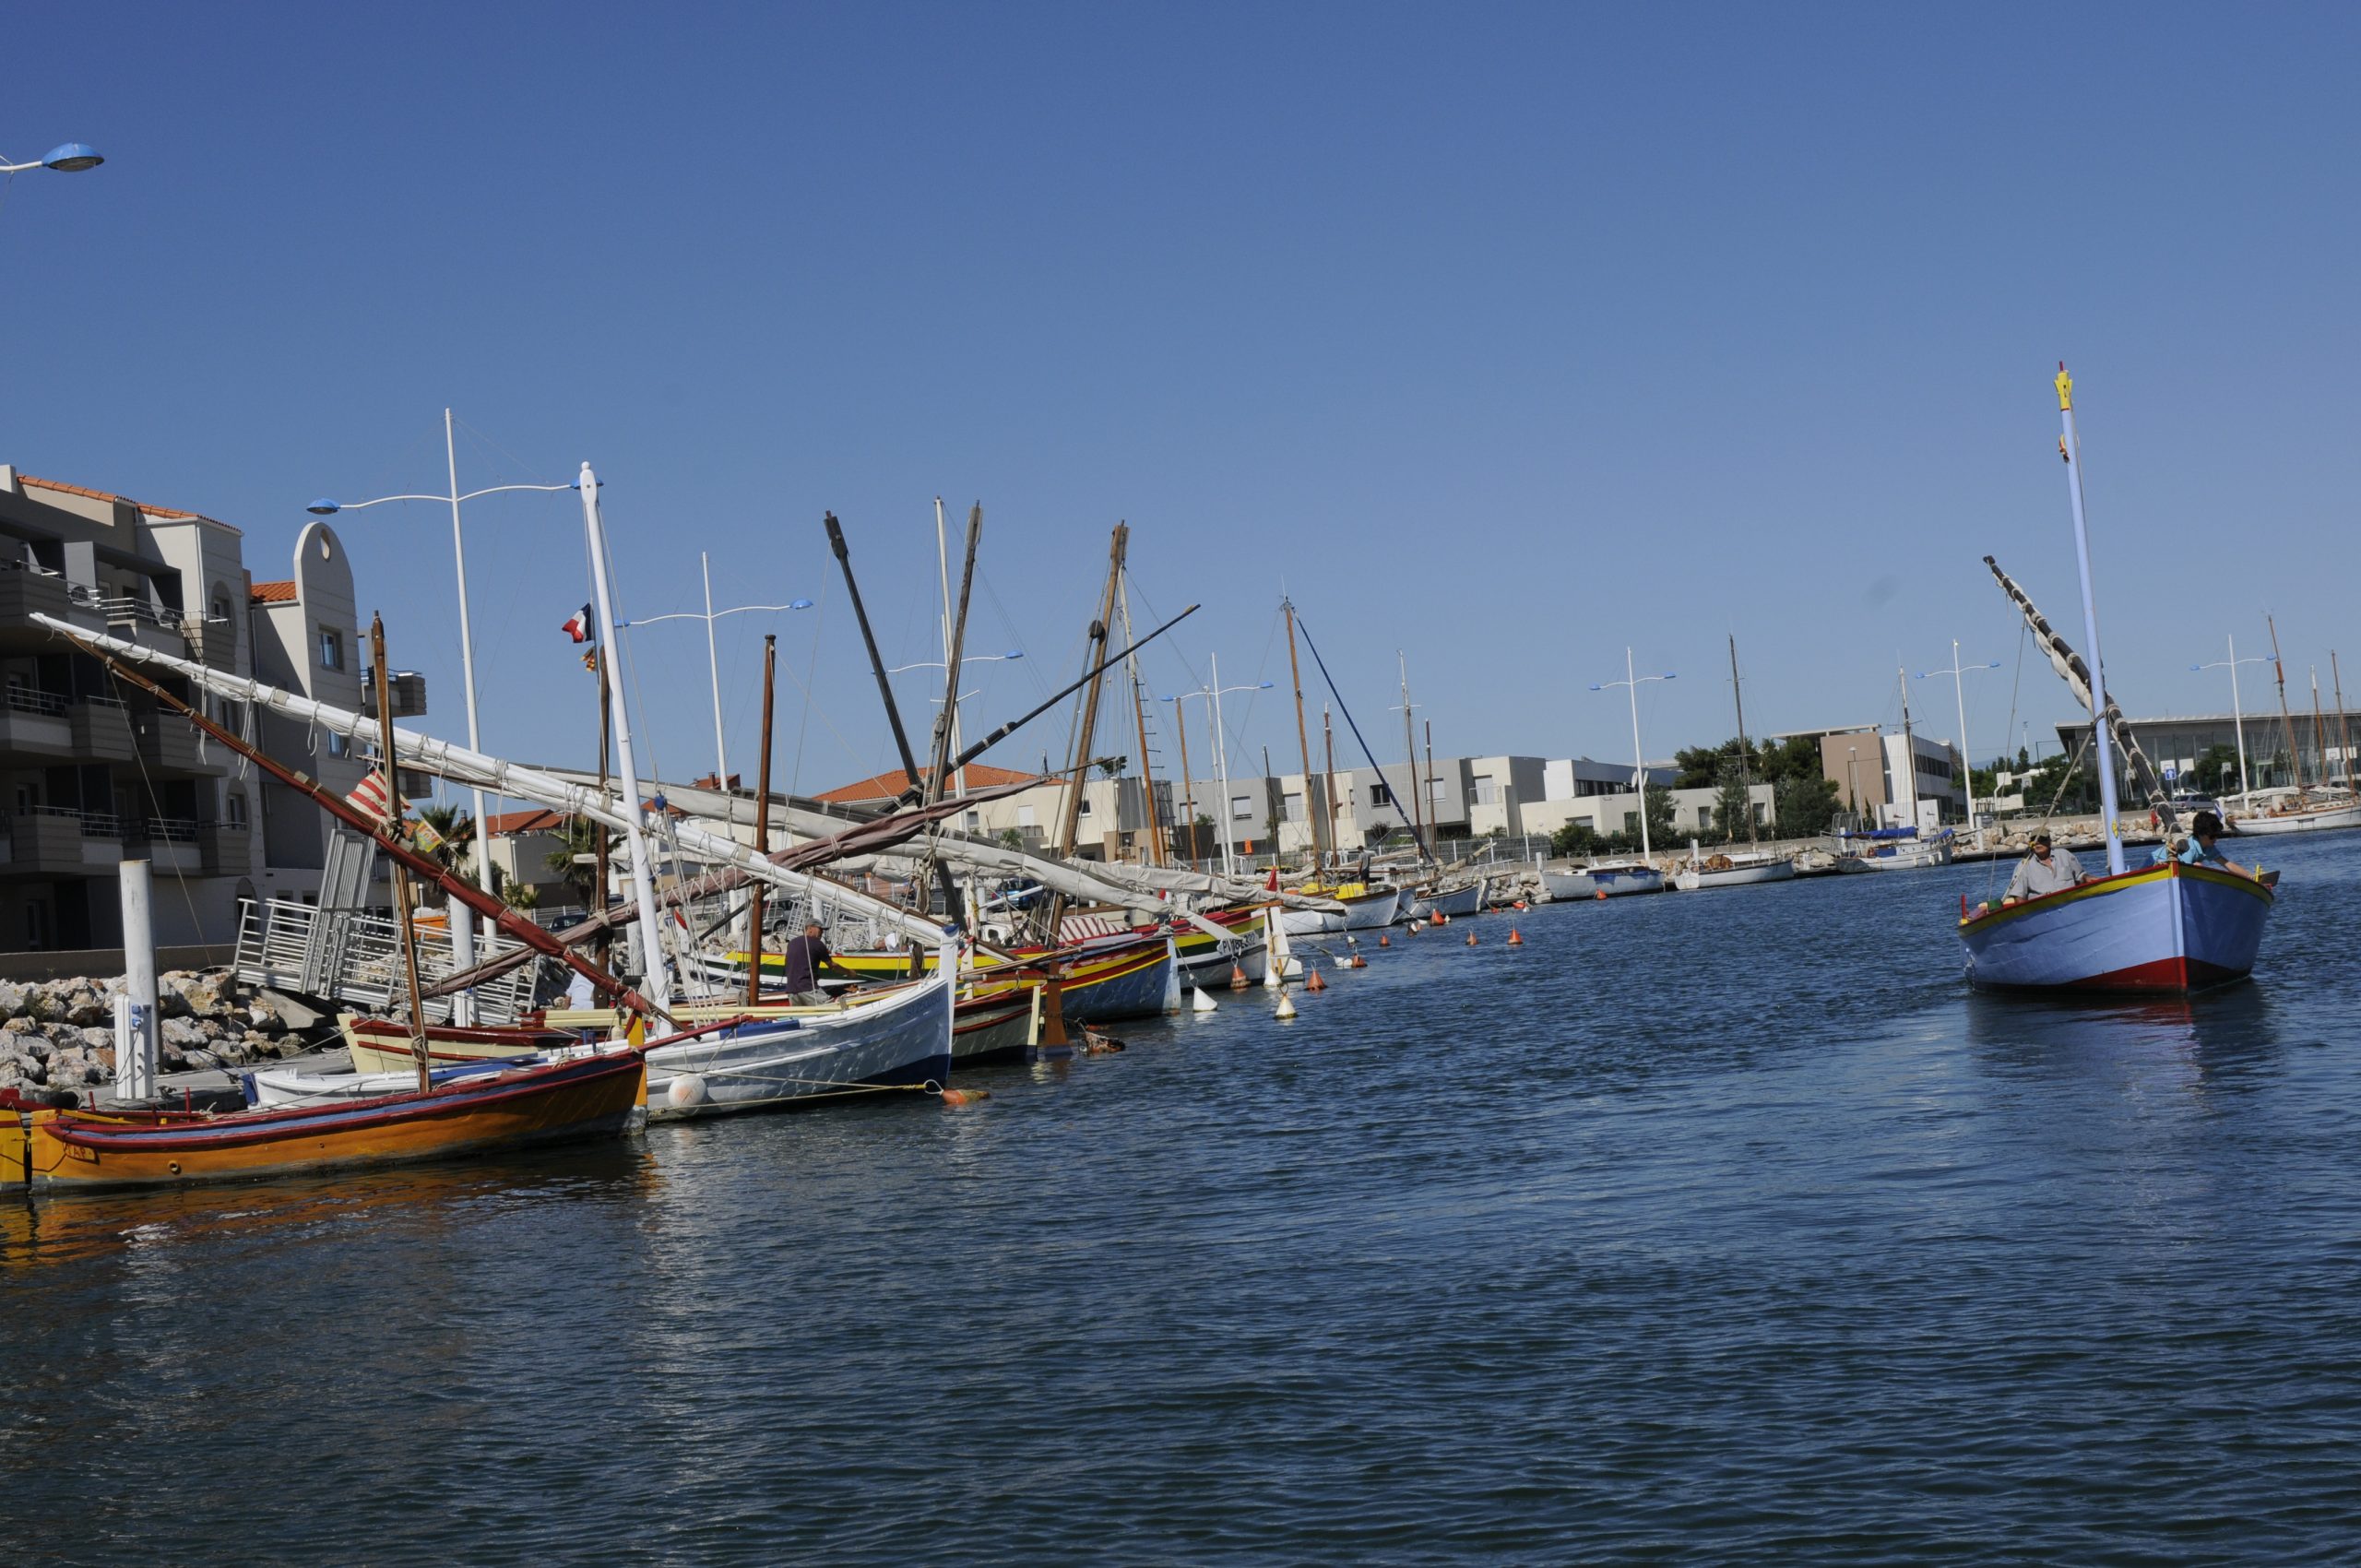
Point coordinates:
[(1200, 1002), (685, 1090), (1286, 1007)]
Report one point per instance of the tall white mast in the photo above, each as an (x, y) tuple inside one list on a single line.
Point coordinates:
[(2070, 446), (653, 985)]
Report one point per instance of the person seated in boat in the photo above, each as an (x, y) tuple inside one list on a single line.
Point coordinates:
[(807, 955), (2201, 847), (2047, 870)]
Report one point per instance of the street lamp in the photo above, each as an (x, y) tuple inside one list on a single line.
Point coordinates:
[(2238, 715), (1639, 759), (67, 158), (1959, 692), (713, 657), (323, 507), (959, 775), (1221, 752)]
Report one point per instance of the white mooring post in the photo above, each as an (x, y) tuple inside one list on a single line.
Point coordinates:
[(134, 1018), (463, 956)]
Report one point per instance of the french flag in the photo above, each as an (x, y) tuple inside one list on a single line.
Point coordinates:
[(578, 626)]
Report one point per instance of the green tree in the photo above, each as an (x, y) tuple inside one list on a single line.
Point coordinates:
[(1576, 838), (1010, 840), (576, 837), (457, 829), (1733, 810), (1805, 806)]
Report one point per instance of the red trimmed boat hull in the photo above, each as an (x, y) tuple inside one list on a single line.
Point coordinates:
[(2169, 929)]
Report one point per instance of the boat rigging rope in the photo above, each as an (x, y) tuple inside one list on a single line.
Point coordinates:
[(1350, 724)]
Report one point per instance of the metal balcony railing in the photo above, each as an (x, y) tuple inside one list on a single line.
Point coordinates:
[(31, 699)]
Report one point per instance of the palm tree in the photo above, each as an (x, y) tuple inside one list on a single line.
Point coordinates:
[(574, 857)]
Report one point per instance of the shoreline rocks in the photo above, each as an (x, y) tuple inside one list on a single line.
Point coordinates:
[(58, 1036)]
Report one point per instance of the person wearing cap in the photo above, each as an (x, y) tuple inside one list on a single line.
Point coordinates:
[(2045, 870)]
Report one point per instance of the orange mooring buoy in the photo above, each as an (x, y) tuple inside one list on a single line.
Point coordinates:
[(1360, 962), (1237, 977), (1441, 919), (1312, 980), (1471, 939), (964, 1096), (1518, 905), (1600, 895), (1515, 939), (1384, 940)]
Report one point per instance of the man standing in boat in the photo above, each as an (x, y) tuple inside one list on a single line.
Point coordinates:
[(806, 956), (2047, 870)]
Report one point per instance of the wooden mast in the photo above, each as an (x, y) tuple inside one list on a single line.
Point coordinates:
[(402, 910), (1417, 819), (1139, 719), (1328, 739), (1303, 743), (1427, 788), (937, 783), (2344, 731), (1087, 717), (1188, 788), (2319, 730), (2286, 720), (761, 828), (1745, 774)]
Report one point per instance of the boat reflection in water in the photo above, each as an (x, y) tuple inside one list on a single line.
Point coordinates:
[(2216, 1039), (448, 1195)]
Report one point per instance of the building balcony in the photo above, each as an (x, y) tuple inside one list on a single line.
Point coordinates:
[(405, 687), (169, 843), (24, 591), (102, 728), (167, 743), (213, 643), (55, 841), (224, 850), (35, 721)]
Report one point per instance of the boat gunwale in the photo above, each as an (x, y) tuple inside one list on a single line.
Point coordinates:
[(2116, 881)]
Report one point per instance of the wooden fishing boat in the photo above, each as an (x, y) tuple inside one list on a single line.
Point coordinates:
[(382, 1045), (588, 1097), (1616, 881), (2165, 928), (1559, 885)]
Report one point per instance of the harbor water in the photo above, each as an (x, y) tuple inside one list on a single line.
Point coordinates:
[(1714, 1226)]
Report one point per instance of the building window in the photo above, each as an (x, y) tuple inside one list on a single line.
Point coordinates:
[(1025, 817), (339, 745), (1438, 791), (237, 808), (1291, 805), (1241, 807), (331, 649), (1631, 822), (975, 821), (1084, 809), (1379, 795), (1488, 791), (36, 926)]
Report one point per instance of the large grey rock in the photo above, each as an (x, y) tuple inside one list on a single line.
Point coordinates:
[(86, 1010), (98, 1039), (44, 1006), (12, 999), (203, 993), (19, 1026), (182, 1034)]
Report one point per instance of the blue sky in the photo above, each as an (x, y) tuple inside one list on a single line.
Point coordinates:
[(1501, 336)]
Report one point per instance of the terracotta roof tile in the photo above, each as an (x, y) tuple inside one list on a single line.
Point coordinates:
[(281, 592), (62, 488), (885, 785), (543, 820)]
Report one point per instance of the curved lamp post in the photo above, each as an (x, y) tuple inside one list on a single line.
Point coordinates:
[(2238, 715), (1221, 752), (323, 507), (958, 776), (1639, 759), (713, 659), (67, 158), (1959, 690)]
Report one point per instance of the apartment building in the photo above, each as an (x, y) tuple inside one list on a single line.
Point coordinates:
[(93, 771)]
